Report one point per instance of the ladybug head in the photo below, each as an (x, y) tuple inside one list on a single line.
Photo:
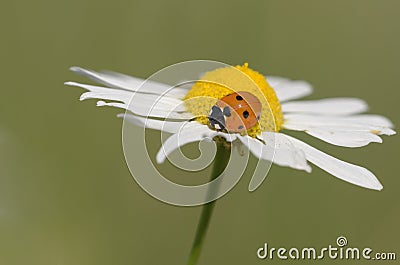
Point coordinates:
[(217, 118)]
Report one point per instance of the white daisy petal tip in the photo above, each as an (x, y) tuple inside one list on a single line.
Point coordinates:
[(76, 84), (384, 131), (354, 174), (84, 72), (307, 168), (84, 96), (69, 83), (102, 103), (287, 89), (370, 181), (386, 122), (78, 70), (377, 186), (392, 132)]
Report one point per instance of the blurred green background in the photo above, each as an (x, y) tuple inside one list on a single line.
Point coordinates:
[(66, 195)]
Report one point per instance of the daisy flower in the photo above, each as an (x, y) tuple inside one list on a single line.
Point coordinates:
[(237, 106), (184, 111)]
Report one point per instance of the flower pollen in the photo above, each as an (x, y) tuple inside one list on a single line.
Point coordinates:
[(221, 82)]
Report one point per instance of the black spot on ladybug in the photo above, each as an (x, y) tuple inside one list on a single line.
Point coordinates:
[(245, 114), (227, 111), (240, 127), (239, 97)]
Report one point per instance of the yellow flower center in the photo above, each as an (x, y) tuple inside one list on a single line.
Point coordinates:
[(221, 82)]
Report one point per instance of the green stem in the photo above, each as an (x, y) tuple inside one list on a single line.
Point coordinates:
[(220, 163)]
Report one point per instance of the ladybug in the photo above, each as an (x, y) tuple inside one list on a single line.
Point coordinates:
[(235, 112)]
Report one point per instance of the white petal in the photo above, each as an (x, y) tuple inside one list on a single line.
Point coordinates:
[(372, 123), (130, 83), (165, 126), (123, 95), (350, 131), (102, 92), (330, 106), (142, 104), (278, 149), (353, 120), (345, 138), (360, 123), (287, 89), (351, 173), (102, 103), (192, 132)]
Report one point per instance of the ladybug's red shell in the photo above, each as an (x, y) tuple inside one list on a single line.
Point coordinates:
[(236, 112)]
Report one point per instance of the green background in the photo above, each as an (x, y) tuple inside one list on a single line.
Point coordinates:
[(66, 195)]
